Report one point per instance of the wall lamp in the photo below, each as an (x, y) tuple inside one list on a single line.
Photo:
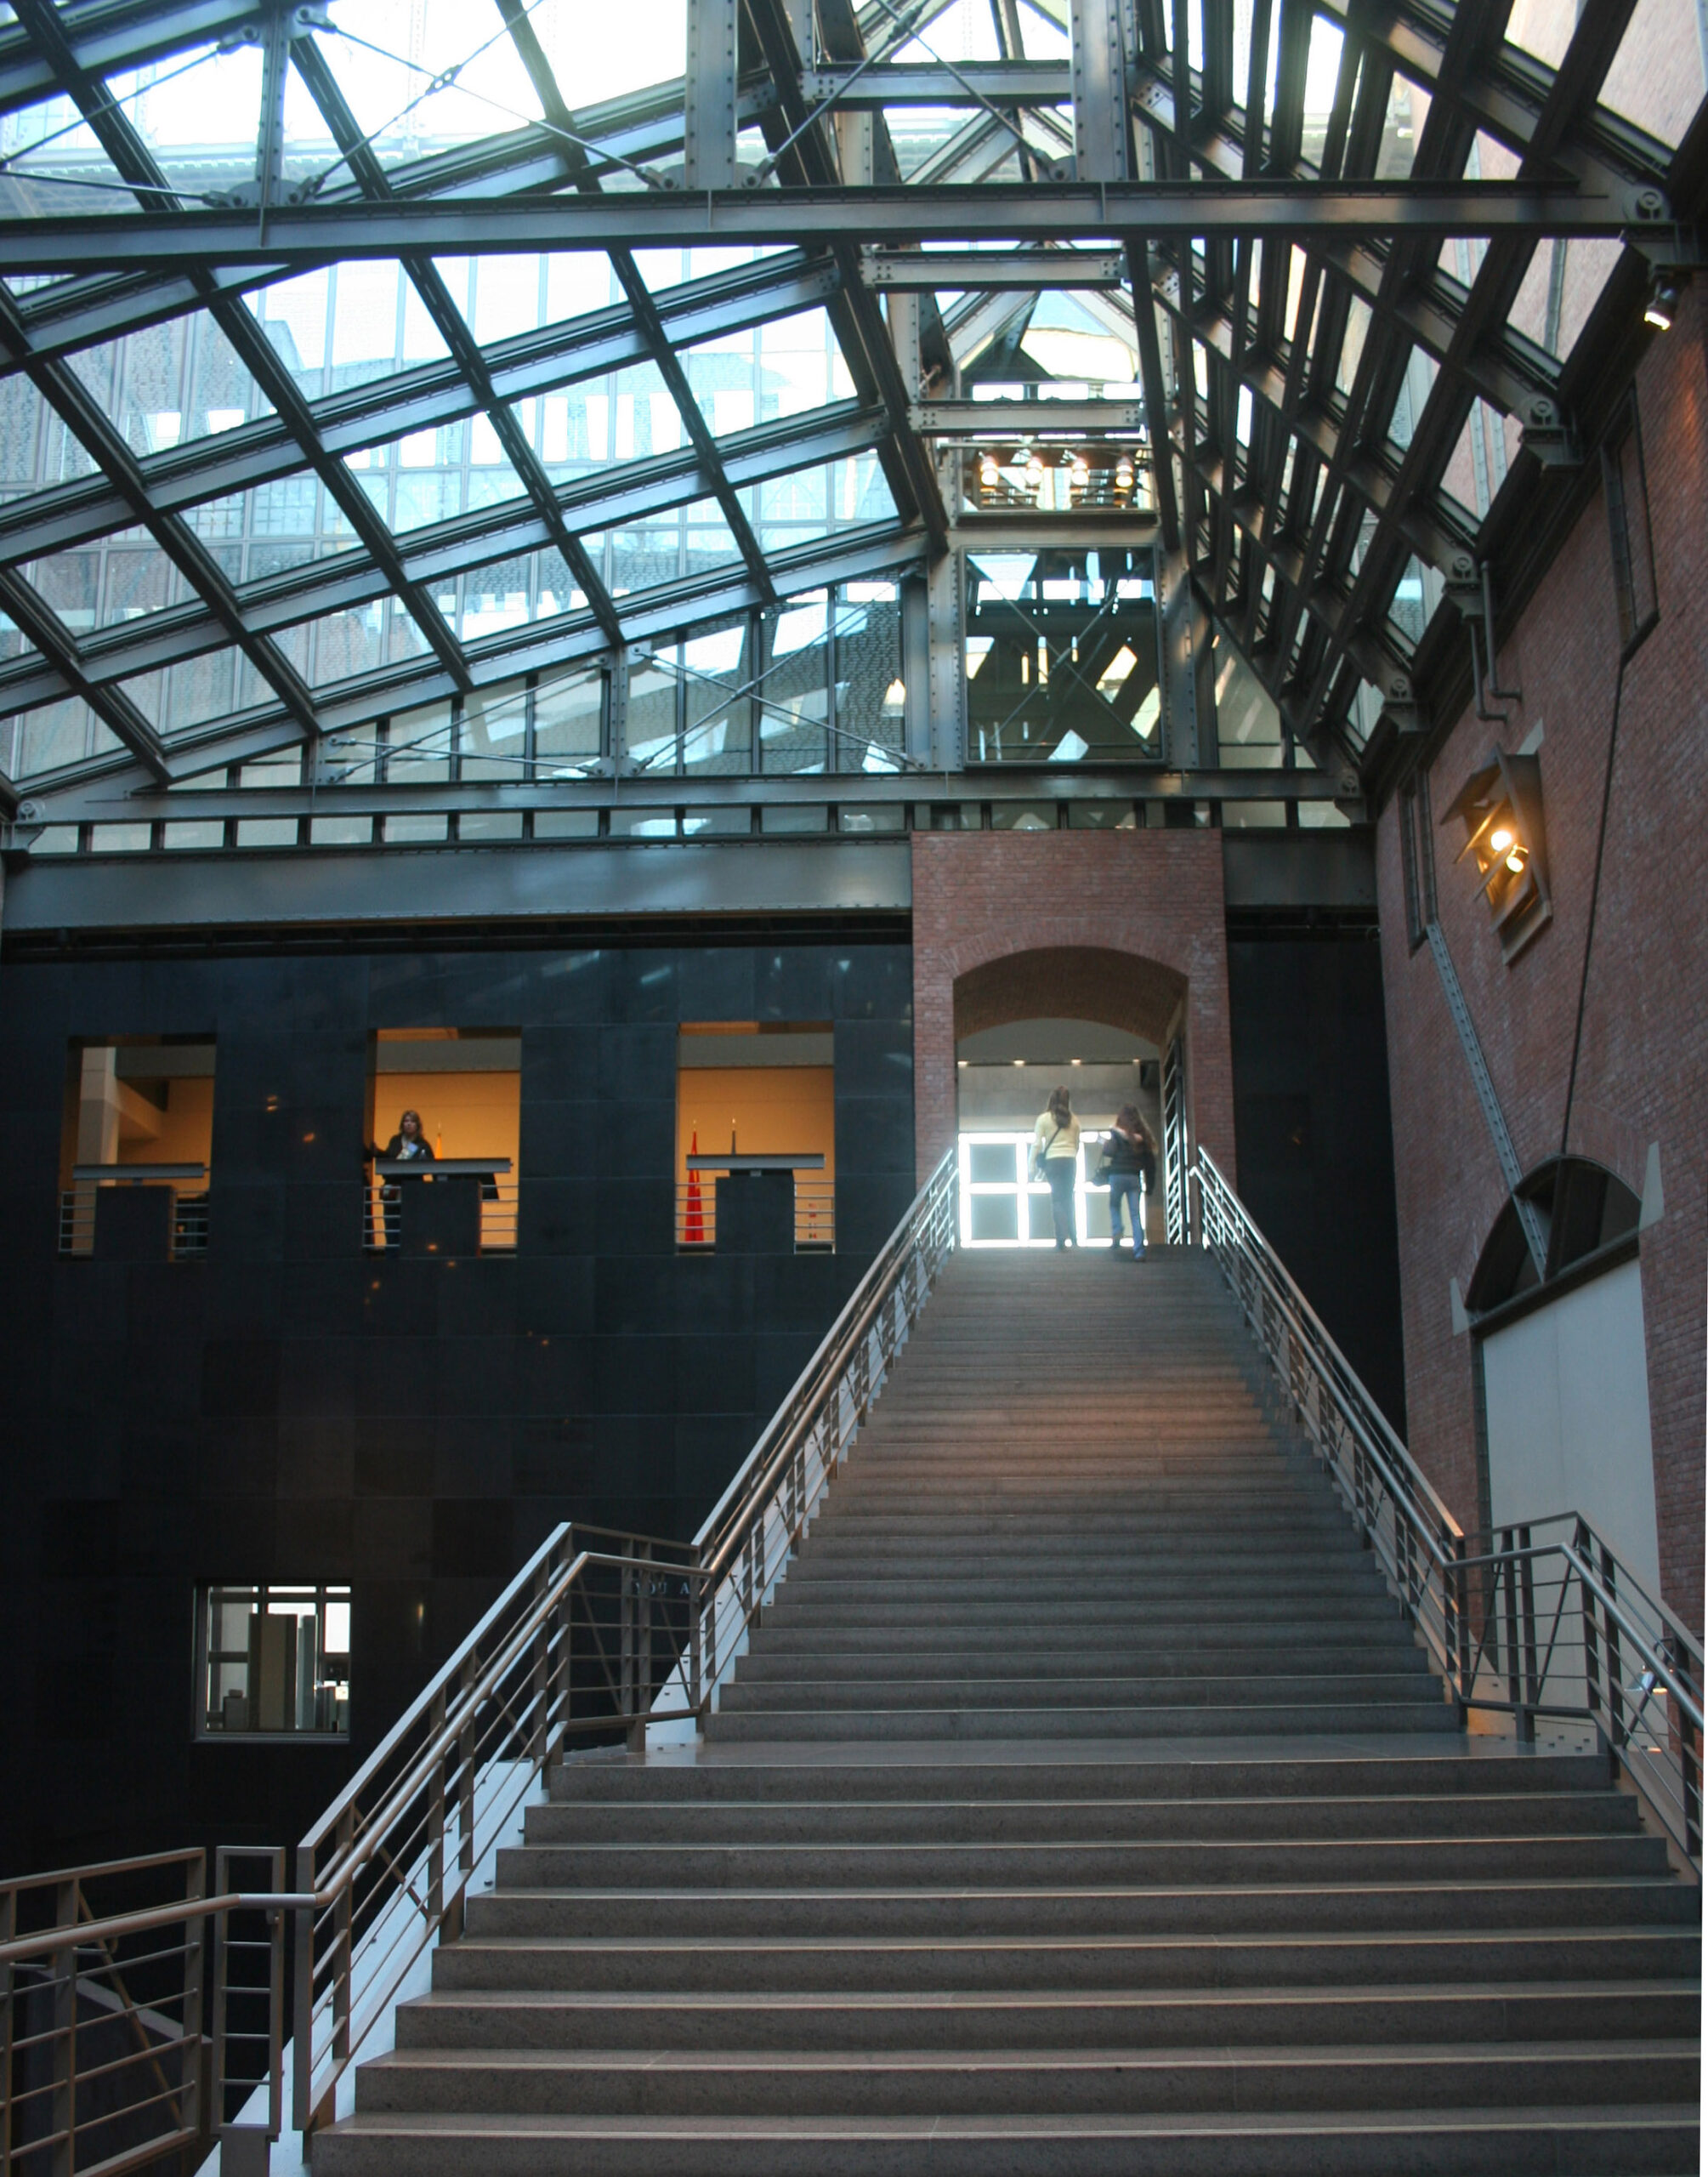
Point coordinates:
[(1500, 808), (1662, 305)]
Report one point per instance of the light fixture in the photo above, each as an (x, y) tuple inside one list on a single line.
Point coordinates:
[(1019, 1061), (1515, 861), (1500, 808), (1076, 1061), (1500, 837), (1662, 305), (1123, 474)]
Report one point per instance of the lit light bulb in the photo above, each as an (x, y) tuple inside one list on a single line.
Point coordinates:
[(1515, 860), (987, 469), (1500, 837), (1123, 476)]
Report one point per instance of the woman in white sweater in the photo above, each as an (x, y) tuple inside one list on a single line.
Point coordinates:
[(1056, 1158)]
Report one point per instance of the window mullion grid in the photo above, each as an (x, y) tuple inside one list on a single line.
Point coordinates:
[(138, 166)]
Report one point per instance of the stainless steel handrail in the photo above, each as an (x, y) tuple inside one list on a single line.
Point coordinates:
[(1481, 1605)]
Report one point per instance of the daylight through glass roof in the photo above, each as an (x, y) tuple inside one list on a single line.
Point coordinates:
[(535, 368)]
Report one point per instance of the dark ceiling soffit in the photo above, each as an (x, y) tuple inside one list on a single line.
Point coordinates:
[(833, 875)]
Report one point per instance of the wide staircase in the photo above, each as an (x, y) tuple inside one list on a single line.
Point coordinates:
[(1082, 1805)]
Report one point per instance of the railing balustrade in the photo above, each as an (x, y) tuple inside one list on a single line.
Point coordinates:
[(815, 1214), (613, 1636), (1533, 1625)]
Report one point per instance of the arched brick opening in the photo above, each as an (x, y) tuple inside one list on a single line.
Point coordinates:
[(1125, 928), (1071, 982)]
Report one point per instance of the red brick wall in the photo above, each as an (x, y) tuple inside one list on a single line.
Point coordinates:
[(1643, 1074), (1149, 902)]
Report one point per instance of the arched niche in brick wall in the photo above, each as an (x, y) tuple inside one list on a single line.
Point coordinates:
[(1072, 982)]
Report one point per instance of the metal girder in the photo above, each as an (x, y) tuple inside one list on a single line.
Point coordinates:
[(709, 104), (985, 271), (1023, 419), (928, 82), (829, 214), (111, 802)]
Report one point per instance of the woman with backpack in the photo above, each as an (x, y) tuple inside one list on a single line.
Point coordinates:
[(1130, 1168), (1055, 1159)]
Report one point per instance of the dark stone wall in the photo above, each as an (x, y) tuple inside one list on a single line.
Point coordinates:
[(292, 1409), (1316, 1146)]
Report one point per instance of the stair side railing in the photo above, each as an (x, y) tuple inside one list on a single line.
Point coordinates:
[(1536, 1621), (761, 1518), (600, 1634)]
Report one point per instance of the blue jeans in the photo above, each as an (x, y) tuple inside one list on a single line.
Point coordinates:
[(1126, 1187)]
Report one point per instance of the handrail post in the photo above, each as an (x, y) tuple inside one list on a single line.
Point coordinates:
[(1592, 1689), (1615, 1672), (467, 1740), (640, 1694), (435, 1816), (302, 2002), (539, 1734), (194, 2081), (341, 1935), (63, 2102), (9, 1929), (1527, 1595)]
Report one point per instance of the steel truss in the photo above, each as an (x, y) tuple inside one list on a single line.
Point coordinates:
[(1235, 258)]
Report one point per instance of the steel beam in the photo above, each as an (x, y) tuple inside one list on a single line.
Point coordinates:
[(115, 801), (1024, 419), (986, 271), (709, 105), (302, 236), (928, 82)]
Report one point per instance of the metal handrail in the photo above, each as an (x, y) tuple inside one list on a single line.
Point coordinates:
[(1481, 1604)]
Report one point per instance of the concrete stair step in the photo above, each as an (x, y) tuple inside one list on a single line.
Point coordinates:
[(830, 1607), (862, 2083), (1078, 1863), (1217, 1720), (1122, 1821), (1206, 1941), (1502, 2141), (1086, 1690), (795, 1661), (1150, 2018), (1439, 1772)]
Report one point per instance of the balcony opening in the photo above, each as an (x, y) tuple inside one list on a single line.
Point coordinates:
[(135, 1148), (443, 1134), (756, 1136)]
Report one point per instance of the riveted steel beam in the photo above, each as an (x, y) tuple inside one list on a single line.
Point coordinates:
[(828, 214)]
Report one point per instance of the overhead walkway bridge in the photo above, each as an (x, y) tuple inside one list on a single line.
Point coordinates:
[(1079, 1740)]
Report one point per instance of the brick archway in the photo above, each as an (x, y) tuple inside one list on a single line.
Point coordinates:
[(1125, 928), (1071, 982)]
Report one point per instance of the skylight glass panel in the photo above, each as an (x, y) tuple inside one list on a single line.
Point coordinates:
[(1656, 79), (963, 30), (710, 544), (644, 554), (198, 114), (424, 76), (191, 694), (171, 383), (516, 593), (13, 643), (294, 509), (1543, 28), (784, 368), (59, 734), (600, 52), (51, 164), (1046, 39)]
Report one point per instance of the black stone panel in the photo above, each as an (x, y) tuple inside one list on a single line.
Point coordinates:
[(295, 1408)]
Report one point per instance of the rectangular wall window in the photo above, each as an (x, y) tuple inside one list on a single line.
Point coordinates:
[(272, 1660), (135, 1148), (1631, 539), (448, 1101), (1417, 858)]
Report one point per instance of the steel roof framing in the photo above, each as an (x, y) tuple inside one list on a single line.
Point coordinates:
[(1296, 514)]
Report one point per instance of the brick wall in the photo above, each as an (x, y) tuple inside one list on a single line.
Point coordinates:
[(1643, 1074), (1124, 927)]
